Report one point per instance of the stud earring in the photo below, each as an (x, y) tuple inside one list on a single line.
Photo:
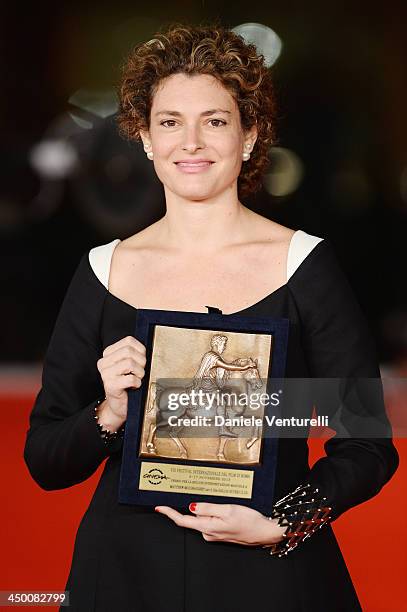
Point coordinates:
[(246, 154), (150, 154)]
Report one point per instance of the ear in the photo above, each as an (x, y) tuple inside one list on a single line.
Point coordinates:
[(145, 137), (250, 135)]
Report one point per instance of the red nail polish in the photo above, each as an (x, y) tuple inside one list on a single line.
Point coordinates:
[(192, 507), (156, 509)]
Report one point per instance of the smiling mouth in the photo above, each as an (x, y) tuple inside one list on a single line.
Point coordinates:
[(194, 164)]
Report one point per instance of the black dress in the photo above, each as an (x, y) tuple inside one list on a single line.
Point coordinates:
[(130, 558)]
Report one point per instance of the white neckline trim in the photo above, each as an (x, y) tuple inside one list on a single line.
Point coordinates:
[(100, 258), (301, 244)]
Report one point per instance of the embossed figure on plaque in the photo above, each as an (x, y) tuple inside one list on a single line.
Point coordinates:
[(205, 378), (212, 375)]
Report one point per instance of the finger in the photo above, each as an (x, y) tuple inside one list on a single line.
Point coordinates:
[(129, 366), (110, 367), (116, 386), (123, 366), (129, 381), (124, 355), (129, 341), (221, 511), (184, 520)]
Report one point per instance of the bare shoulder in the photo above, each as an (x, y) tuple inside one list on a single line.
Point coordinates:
[(130, 257), (270, 232), (280, 233), (136, 250), (143, 239)]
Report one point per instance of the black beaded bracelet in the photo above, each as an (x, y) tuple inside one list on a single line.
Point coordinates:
[(107, 435), (303, 512)]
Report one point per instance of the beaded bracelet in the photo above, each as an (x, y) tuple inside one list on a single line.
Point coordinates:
[(302, 517), (107, 435)]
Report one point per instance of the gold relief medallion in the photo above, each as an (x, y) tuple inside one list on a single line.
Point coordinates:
[(204, 380)]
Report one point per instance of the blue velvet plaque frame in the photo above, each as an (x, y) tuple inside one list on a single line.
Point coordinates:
[(264, 472)]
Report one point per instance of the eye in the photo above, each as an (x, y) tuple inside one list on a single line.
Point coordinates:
[(219, 120), (210, 121)]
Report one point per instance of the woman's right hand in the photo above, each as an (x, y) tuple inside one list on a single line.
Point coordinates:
[(121, 367)]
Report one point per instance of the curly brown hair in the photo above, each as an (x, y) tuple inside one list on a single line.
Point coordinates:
[(203, 49)]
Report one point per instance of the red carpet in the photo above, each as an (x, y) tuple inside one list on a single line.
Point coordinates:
[(39, 527)]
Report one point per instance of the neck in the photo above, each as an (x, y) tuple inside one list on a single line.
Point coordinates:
[(203, 226)]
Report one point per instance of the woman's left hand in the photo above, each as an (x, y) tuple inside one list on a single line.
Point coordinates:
[(228, 523)]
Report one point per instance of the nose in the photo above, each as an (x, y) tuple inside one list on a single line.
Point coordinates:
[(192, 138)]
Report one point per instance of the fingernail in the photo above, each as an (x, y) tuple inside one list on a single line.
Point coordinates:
[(192, 507), (156, 509)]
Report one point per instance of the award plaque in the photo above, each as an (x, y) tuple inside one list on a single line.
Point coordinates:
[(193, 431)]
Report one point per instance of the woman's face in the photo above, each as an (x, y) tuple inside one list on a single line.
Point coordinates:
[(196, 118)]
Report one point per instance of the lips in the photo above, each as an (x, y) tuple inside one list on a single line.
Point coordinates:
[(194, 163), (200, 165), (193, 166)]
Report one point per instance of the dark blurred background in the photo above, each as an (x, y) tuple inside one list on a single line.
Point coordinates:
[(68, 182)]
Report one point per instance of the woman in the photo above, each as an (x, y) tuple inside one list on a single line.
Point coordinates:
[(202, 102)]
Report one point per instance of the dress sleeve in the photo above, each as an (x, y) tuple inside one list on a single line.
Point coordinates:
[(63, 444), (338, 344)]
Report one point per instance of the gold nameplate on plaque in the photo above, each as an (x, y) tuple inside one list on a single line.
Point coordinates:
[(174, 478)]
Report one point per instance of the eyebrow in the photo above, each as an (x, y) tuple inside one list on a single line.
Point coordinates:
[(204, 114)]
